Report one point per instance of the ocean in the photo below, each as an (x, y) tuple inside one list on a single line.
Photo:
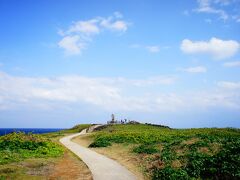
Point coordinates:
[(4, 131)]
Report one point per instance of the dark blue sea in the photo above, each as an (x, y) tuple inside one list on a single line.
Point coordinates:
[(4, 131)]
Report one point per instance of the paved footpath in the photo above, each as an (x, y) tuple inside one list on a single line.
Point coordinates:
[(102, 168)]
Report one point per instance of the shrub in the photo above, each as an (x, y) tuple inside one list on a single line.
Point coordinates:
[(169, 173), (225, 164), (196, 163), (145, 148), (100, 143)]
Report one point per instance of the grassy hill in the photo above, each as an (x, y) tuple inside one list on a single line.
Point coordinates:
[(39, 156), (207, 153), (160, 152)]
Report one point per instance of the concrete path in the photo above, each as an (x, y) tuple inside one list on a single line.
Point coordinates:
[(102, 168)]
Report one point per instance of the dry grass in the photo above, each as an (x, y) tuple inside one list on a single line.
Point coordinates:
[(190, 141), (204, 150), (176, 164), (67, 167), (215, 147), (70, 168), (181, 151), (85, 140)]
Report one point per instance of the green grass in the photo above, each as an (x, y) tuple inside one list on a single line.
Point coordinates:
[(56, 135), (207, 153), (22, 153), (15, 147), (77, 128)]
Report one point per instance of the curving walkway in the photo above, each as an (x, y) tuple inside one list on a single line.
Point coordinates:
[(101, 167)]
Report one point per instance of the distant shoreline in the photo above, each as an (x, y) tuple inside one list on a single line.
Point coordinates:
[(4, 131)]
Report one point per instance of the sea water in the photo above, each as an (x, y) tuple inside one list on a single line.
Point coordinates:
[(4, 131)]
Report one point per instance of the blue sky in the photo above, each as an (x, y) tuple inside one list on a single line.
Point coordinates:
[(167, 62)]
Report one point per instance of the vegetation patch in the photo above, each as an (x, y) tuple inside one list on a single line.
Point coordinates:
[(146, 148), (207, 153), (56, 135), (100, 142), (76, 128), (18, 146), (169, 173), (30, 156)]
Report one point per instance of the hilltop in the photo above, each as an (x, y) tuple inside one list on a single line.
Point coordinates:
[(160, 152)]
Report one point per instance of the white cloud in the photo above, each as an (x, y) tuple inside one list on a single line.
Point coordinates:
[(118, 25), (217, 98), (158, 80), (153, 49), (197, 69), (219, 49), (221, 8), (205, 6), (149, 48), (135, 46), (80, 33), (107, 93), (229, 85), (71, 45), (87, 27), (232, 64), (111, 94), (223, 2)]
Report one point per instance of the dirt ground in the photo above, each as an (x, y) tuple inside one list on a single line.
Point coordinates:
[(68, 167)]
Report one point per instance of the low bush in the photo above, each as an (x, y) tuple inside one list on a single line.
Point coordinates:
[(17, 146), (100, 143), (169, 173), (146, 148)]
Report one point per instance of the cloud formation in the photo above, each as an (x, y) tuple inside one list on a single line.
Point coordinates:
[(107, 93), (220, 8), (229, 85), (79, 34), (197, 69), (153, 49), (149, 48), (232, 64), (217, 48), (205, 6), (111, 94), (71, 45)]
